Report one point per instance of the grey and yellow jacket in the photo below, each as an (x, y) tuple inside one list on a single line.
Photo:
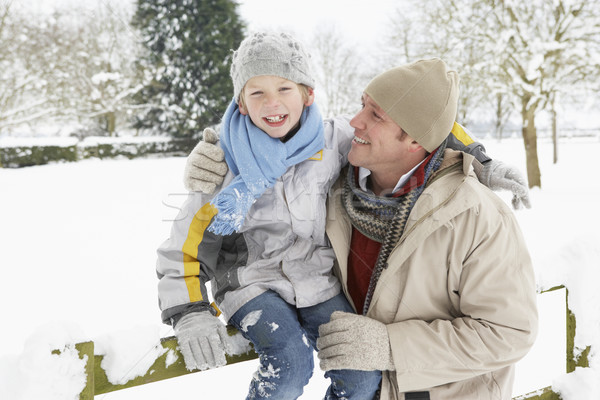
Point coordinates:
[(458, 295), (281, 247)]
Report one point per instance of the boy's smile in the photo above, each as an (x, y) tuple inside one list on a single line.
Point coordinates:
[(276, 120)]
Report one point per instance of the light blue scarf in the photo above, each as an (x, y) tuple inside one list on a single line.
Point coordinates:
[(257, 161)]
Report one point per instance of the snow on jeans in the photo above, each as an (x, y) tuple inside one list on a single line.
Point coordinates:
[(285, 337)]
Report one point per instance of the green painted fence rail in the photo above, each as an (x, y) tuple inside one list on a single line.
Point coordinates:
[(97, 381)]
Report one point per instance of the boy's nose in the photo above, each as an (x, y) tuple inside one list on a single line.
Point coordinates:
[(271, 100)]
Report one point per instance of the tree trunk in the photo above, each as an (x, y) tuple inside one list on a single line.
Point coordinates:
[(111, 122), (530, 141), (554, 136), (499, 117)]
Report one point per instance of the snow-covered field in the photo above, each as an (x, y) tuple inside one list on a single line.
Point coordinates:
[(78, 253)]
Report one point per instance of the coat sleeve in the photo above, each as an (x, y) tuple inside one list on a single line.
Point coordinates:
[(462, 140), (187, 259), (495, 300), (342, 133)]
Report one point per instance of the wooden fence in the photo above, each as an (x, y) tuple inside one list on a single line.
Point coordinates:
[(97, 381)]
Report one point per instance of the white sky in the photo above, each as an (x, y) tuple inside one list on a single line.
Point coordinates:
[(363, 22)]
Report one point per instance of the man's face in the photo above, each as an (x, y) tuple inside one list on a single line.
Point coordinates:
[(379, 143), (274, 104)]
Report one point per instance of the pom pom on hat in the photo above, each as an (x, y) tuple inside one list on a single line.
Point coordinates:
[(266, 53), (422, 98)]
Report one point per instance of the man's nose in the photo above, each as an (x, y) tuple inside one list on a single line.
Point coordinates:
[(357, 121)]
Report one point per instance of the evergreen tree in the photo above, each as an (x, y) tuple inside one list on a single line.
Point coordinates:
[(186, 66)]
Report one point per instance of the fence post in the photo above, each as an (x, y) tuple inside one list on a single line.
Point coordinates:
[(574, 361), (87, 349)]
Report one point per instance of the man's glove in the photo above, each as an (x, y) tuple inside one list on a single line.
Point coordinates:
[(202, 338), (205, 168), (498, 176), (350, 341)]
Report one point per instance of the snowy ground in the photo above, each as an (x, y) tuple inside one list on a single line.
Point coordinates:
[(78, 253)]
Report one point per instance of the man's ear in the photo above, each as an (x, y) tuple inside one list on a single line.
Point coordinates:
[(311, 97), (414, 147)]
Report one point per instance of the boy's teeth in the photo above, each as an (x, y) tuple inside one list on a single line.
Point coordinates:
[(277, 118), (359, 140)]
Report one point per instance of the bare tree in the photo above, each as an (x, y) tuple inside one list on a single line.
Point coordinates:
[(425, 29), (340, 78), (74, 65), (526, 51), (106, 79), (502, 115), (547, 48), (21, 101)]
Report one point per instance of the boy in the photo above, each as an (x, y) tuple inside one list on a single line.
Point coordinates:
[(261, 240)]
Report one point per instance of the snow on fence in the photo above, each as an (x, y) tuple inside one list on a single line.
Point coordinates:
[(170, 363)]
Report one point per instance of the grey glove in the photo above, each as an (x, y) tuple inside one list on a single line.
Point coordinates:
[(205, 168), (202, 338), (350, 341), (498, 176)]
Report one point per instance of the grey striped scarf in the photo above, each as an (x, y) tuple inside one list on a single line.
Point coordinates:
[(383, 218)]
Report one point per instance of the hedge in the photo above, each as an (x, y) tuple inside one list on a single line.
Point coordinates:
[(15, 155)]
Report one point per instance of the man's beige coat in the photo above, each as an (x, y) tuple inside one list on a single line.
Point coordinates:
[(458, 295)]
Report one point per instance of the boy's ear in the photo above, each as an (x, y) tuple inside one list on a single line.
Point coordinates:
[(243, 110), (311, 97)]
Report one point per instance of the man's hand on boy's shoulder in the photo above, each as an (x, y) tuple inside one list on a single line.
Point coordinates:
[(205, 167), (499, 176)]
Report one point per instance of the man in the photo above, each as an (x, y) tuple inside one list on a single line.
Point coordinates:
[(433, 260)]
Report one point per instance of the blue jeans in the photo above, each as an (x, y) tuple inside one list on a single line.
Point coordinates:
[(284, 338)]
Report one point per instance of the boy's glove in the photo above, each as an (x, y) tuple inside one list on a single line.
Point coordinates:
[(202, 338), (350, 341), (205, 168), (498, 176)]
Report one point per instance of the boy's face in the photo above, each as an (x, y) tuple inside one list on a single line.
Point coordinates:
[(274, 104)]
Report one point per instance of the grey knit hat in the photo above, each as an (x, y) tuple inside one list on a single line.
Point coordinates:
[(422, 98), (266, 53)]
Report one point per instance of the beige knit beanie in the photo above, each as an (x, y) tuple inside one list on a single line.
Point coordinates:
[(422, 98)]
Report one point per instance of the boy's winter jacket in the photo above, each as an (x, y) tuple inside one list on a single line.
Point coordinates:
[(281, 246)]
